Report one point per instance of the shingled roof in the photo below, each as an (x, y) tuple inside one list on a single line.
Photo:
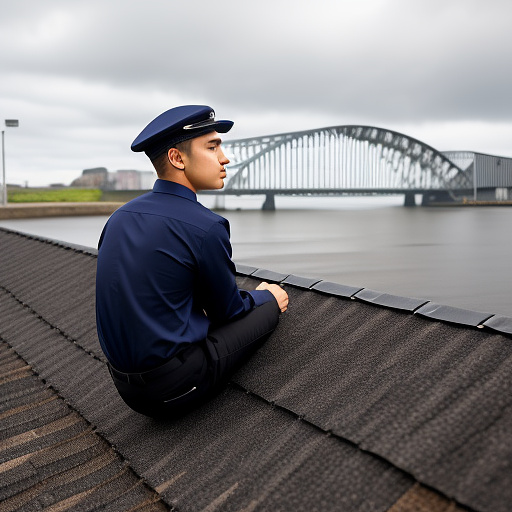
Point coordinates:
[(360, 401)]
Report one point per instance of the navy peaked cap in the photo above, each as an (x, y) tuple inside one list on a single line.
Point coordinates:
[(177, 125)]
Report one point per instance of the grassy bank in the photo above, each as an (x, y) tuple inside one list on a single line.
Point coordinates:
[(58, 195)]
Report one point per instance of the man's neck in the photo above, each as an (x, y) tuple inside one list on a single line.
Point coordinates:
[(180, 178)]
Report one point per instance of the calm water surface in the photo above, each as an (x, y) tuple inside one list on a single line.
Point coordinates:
[(455, 256)]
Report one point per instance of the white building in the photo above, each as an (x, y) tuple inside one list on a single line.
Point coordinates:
[(134, 180)]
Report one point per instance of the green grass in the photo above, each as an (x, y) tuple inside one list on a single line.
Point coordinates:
[(64, 195)]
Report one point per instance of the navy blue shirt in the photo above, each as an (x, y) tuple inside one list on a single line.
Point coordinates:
[(164, 275)]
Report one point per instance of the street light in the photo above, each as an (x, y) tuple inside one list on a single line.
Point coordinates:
[(9, 123)]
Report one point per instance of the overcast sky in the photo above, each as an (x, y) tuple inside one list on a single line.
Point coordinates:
[(85, 76)]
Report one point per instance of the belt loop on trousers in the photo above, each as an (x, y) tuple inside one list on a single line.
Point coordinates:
[(129, 378)]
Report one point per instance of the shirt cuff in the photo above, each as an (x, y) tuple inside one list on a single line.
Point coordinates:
[(261, 296)]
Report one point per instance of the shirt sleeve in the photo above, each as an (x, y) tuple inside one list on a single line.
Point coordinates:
[(220, 296)]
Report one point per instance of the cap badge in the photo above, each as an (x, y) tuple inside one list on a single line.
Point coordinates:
[(202, 124)]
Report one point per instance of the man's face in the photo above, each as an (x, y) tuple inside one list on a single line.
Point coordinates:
[(205, 162)]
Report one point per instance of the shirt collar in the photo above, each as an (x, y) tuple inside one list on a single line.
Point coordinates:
[(171, 187)]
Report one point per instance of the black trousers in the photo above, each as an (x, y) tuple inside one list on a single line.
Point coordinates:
[(199, 371)]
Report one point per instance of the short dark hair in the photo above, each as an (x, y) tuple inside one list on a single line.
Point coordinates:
[(184, 146), (160, 162)]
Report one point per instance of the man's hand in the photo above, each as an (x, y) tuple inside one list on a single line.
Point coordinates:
[(280, 295)]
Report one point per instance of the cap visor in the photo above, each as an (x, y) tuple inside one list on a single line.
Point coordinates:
[(223, 126)]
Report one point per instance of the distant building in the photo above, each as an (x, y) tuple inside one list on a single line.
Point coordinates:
[(147, 179), (126, 180), (492, 175), (134, 180), (97, 177), (100, 177)]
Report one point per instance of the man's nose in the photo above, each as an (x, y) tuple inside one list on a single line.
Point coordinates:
[(223, 159)]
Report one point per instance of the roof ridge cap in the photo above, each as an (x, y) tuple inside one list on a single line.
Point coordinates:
[(425, 308), (90, 251)]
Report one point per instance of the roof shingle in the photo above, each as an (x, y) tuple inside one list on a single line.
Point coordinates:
[(349, 406)]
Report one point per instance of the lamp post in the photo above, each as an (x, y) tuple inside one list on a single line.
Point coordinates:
[(9, 123)]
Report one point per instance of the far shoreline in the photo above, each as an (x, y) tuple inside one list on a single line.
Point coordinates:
[(50, 209)]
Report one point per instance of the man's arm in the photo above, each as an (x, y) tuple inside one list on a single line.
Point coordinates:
[(220, 296)]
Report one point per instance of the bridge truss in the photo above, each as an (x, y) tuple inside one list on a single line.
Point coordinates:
[(340, 160)]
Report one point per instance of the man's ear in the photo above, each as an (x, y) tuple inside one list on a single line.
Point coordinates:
[(175, 158)]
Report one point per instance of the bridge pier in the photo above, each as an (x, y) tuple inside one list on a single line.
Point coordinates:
[(269, 204), (410, 199), (220, 202), (438, 196)]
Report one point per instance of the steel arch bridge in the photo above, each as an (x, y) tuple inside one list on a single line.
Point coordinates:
[(339, 160)]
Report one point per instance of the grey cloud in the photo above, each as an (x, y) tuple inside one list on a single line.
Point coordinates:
[(429, 60), (108, 66)]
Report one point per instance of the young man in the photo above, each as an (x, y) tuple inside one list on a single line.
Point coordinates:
[(171, 320)]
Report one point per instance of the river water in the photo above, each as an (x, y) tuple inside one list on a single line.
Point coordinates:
[(458, 256)]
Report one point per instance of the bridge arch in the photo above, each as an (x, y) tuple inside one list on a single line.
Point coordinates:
[(340, 159)]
